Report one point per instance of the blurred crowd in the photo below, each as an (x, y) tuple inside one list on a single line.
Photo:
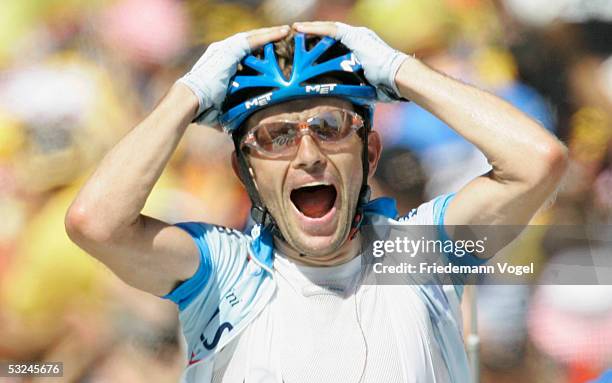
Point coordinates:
[(75, 75)]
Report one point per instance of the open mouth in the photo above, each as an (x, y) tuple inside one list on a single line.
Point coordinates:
[(314, 201)]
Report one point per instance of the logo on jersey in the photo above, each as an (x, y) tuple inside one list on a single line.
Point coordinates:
[(232, 298), (350, 64), (320, 88), (262, 100), (194, 358), (209, 345), (217, 337)]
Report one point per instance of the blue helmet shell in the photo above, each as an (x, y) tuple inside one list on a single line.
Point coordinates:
[(297, 86)]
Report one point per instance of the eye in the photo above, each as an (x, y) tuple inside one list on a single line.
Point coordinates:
[(275, 136), (328, 125)]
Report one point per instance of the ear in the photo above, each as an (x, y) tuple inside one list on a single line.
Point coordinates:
[(235, 166), (374, 151), (236, 169)]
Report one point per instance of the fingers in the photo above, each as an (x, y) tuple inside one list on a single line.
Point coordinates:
[(321, 28), (260, 37)]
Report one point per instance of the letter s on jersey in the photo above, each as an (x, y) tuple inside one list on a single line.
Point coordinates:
[(217, 337)]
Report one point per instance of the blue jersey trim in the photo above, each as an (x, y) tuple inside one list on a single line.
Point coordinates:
[(439, 213), (187, 291), (384, 206), (262, 247), (468, 259)]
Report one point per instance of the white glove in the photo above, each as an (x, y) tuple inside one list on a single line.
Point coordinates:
[(380, 62), (209, 77)]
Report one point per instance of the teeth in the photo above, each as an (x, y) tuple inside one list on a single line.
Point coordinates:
[(315, 183)]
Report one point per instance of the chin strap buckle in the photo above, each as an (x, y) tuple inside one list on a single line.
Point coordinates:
[(262, 216), (355, 226)]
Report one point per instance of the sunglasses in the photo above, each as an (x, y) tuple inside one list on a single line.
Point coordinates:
[(281, 138)]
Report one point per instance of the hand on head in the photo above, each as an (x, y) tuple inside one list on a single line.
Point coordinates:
[(209, 77), (380, 62)]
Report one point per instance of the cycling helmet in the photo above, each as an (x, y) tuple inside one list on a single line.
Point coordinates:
[(262, 83), (328, 69)]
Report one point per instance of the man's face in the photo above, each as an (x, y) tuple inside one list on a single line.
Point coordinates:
[(312, 193)]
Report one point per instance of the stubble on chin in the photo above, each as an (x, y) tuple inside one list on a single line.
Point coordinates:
[(298, 241)]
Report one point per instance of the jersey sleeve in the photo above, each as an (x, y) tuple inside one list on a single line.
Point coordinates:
[(226, 292), (433, 213), (219, 249), (429, 213)]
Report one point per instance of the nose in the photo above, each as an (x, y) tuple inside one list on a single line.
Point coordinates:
[(309, 156)]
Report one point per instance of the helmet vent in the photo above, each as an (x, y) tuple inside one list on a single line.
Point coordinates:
[(332, 52)]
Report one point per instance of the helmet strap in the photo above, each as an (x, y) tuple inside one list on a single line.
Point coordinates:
[(259, 212), (364, 198), (365, 192)]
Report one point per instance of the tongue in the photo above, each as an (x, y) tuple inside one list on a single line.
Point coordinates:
[(314, 201)]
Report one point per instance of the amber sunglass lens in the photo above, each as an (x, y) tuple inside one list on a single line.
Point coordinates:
[(333, 125), (276, 137)]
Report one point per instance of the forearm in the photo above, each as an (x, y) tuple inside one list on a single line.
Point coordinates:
[(517, 147), (117, 191)]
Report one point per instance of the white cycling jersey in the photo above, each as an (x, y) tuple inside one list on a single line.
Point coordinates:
[(251, 315)]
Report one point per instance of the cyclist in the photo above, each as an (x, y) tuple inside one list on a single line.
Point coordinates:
[(284, 303)]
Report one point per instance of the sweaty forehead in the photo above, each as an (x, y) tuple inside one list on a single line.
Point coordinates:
[(295, 109)]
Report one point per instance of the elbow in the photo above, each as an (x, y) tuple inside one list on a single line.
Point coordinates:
[(557, 161), (83, 226), (553, 161)]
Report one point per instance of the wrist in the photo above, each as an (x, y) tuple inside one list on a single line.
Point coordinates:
[(182, 99), (408, 76), (394, 67)]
